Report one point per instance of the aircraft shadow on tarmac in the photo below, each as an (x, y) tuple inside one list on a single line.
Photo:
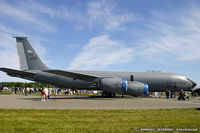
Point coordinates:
[(79, 97)]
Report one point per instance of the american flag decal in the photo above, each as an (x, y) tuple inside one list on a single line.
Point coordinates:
[(29, 51)]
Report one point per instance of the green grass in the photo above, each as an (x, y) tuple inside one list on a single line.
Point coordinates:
[(125, 121), (5, 92)]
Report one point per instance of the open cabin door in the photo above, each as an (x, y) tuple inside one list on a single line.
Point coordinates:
[(131, 78)]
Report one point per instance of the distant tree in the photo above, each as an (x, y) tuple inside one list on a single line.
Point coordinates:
[(25, 84)]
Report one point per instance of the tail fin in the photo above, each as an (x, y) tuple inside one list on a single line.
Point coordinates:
[(29, 60)]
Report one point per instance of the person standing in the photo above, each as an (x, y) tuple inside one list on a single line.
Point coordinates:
[(2, 85), (15, 90), (167, 93), (48, 96), (46, 91), (54, 94), (43, 94), (35, 90), (23, 91), (181, 95), (193, 94), (27, 90)]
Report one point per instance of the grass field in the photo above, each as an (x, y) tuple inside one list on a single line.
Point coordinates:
[(55, 121)]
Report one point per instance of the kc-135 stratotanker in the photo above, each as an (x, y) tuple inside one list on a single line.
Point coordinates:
[(110, 82)]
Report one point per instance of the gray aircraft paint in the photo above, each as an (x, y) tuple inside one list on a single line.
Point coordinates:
[(29, 60), (34, 69), (157, 81)]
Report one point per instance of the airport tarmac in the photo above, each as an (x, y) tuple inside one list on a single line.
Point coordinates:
[(93, 102)]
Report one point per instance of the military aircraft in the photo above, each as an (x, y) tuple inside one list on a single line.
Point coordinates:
[(110, 82)]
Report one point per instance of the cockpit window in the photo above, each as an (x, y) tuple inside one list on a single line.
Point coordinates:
[(187, 78)]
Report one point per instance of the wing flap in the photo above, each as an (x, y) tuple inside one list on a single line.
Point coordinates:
[(74, 75)]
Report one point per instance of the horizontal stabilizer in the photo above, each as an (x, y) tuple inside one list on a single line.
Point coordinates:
[(74, 75)]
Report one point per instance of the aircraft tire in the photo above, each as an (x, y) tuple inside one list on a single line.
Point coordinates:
[(104, 94), (112, 94)]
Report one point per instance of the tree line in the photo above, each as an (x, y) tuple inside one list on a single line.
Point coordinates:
[(25, 84)]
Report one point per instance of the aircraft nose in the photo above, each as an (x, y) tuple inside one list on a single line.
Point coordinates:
[(193, 84)]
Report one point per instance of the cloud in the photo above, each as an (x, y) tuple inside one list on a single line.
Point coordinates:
[(6, 29), (101, 14), (8, 51), (8, 55), (26, 16), (170, 38), (53, 14), (100, 52), (106, 14), (164, 39), (8, 43), (73, 46)]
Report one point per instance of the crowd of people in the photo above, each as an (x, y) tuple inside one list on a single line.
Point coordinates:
[(25, 91), (182, 95), (46, 92)]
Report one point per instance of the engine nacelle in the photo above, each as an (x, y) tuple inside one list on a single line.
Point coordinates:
[(137, 88), (122, 86)]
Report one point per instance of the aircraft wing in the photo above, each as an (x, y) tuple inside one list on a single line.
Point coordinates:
[(17, 73), (74, 75)]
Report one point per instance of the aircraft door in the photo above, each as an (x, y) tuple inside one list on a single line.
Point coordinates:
[(131, 78)]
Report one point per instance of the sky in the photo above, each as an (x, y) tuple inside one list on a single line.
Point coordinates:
[(114, 35)]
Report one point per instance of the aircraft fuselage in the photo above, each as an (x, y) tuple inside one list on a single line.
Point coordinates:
[(157, 81)]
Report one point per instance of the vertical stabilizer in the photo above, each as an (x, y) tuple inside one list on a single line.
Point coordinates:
[(29, 60)]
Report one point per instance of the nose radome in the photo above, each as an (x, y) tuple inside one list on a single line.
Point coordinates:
[(193, 83)]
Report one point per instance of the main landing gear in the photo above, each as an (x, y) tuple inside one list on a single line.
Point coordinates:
[(104, 94)]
